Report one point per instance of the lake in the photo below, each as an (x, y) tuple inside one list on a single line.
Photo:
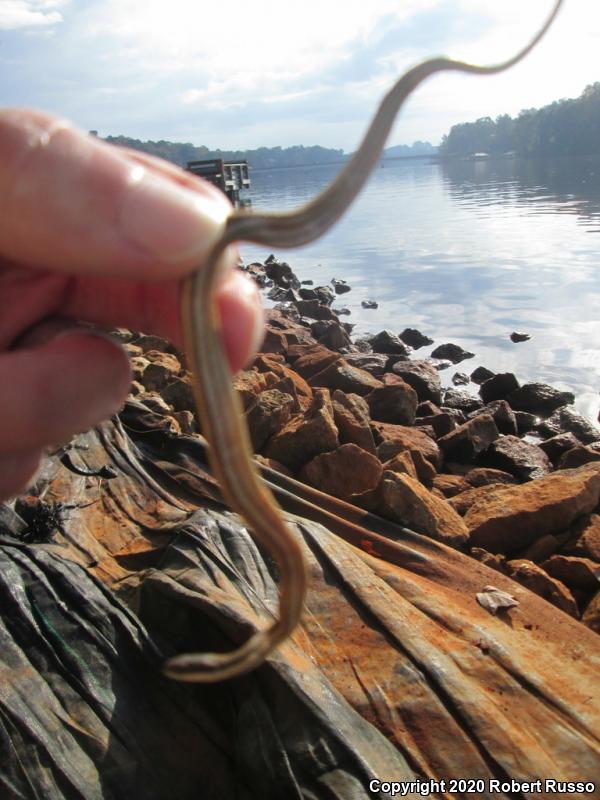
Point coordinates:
[(467, 252)]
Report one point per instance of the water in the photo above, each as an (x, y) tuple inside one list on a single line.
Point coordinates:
[(467, 252)]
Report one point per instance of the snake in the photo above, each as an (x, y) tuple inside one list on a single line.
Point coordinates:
[(218, 406)]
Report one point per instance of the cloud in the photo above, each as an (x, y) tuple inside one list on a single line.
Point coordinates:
[(16, 14)]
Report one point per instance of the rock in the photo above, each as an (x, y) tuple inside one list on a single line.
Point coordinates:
[(557, 445), (341, 375), (462, 502), (374, 363), (450, 485), (280, 295), (155, 403), (591, 615), (441, 423), (517, 336), (161, 370), (393, 439), (422, 377), (440, 364), (138, 367), (396, 404), (313, 309), (464, 401), (565, 420), (369, 304), (542, 548), (284, 373), (539, 398), (267, 415), (344, 472), (460, 379), (414, 338), (502, 414), (274, 342), (249, 384), (483, 476), (187, 422), (305, 435), (257, 272), (402, 462), (493, 560), (340, 286), (388, 342), (467, 441), (281, 274), (481, 374), (589, 539), (407, 501), (425, 470), (150, 342), (524, 460), (451, 352), (525, 422), (312, 360), (343, 311), (351, 415), (325, 295), (331, 334), (534, 578), (308, 294), (508, 518), (498, 387), (576, 457), (179, 395), (575, 572)]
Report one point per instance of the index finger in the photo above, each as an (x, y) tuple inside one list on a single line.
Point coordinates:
[(73, 203)]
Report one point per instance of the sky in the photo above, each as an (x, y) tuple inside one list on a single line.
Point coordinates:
[(241, 75)]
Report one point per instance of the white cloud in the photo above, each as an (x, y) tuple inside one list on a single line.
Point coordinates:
[(29, 13)]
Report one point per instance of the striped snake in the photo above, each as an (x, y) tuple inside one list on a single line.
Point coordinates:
[(218, 405)]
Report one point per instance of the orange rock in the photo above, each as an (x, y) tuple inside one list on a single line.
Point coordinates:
[(402, 462), (591, 615), (408, 501), (393, 439), (450, 485), (351, 414), (305, 435), (509, 518), (341, 375), (537, 580), (344, 472), (577, 573)]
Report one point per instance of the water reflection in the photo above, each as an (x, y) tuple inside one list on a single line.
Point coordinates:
[(468, 252), (543, 185)]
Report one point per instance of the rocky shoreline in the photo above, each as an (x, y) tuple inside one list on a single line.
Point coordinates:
[(510, 475)]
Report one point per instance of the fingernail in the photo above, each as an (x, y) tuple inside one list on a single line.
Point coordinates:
[(169, 222)]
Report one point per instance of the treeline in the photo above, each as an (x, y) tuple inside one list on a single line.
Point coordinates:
[(565, 127), (410, 150), (263, 157)]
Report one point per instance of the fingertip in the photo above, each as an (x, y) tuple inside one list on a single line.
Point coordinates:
[(242, 315), (17, 472)]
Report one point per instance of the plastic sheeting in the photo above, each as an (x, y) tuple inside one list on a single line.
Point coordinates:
[(396, 673)]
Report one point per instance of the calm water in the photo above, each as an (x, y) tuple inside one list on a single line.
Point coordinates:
[(467, 252)]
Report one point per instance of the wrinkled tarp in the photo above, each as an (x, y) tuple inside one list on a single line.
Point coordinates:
[(396, 672)]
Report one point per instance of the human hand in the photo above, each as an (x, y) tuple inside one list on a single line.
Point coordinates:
[(93, 233)]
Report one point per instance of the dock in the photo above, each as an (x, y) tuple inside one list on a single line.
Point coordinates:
[(229, 176)]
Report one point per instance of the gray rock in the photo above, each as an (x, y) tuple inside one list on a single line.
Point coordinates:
[(452, 352)]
